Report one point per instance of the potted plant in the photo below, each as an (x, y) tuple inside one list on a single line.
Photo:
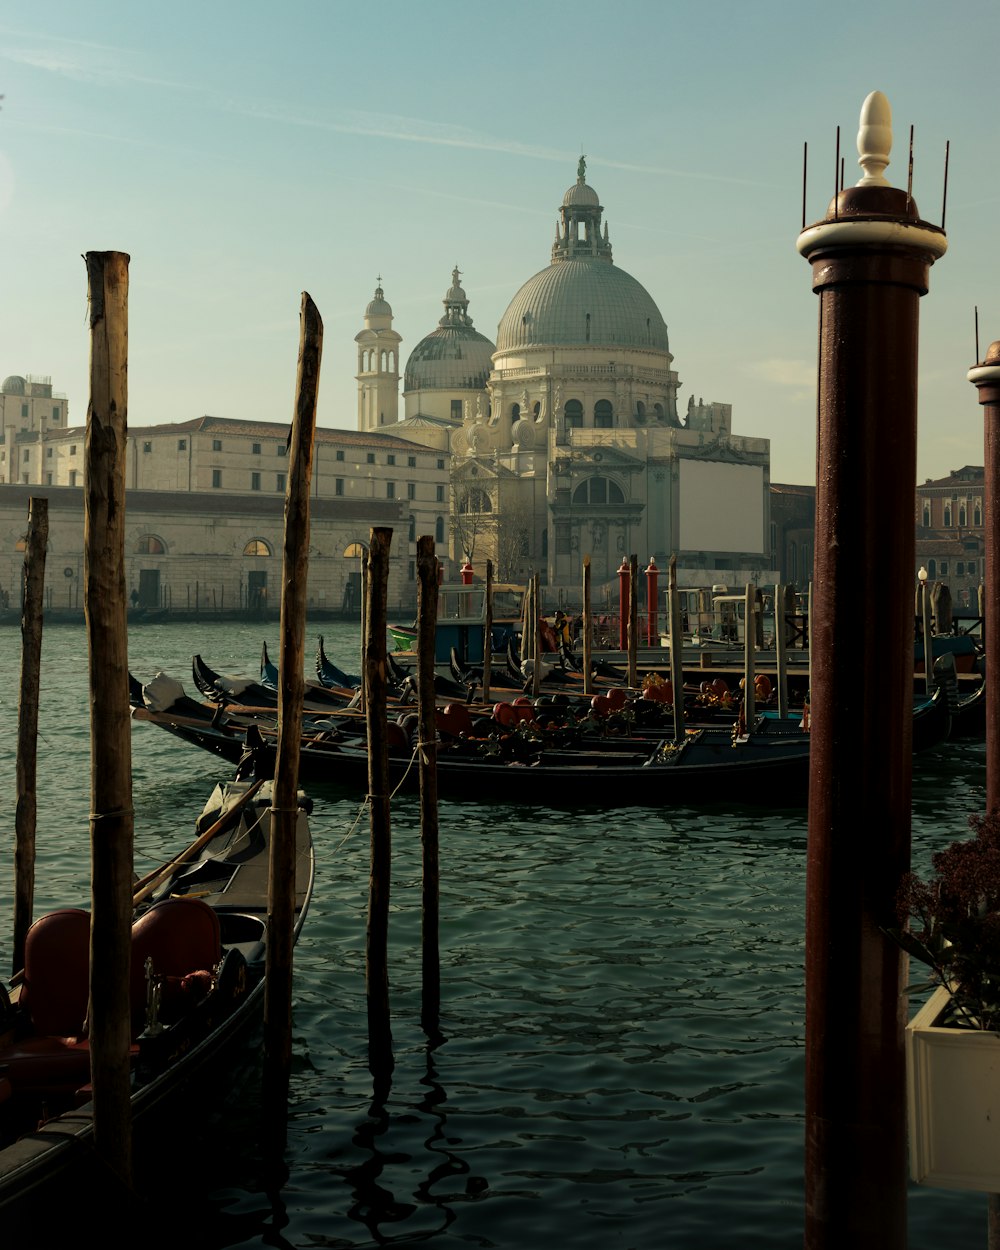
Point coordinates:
[(951, 922)]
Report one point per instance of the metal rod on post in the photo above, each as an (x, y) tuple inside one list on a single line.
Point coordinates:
[(26, 809), (291, 691), (380, 1060), (870, 259), (105, 608), (427, 597)]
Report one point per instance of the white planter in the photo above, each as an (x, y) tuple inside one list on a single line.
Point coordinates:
[(953, 1096)]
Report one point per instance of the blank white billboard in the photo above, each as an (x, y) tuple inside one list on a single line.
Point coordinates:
[(722, 506)]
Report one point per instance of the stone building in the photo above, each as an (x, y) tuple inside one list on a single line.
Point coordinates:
[(950, 541)]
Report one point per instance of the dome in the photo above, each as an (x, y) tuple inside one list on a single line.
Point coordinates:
[(379, 306), (454, 357), (13, 385), (586, 302), (449, 358), (580, 194)]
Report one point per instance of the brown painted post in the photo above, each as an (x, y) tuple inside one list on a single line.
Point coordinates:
[(784, 606), (291, 691), (380, 1059), (105, 608), (26, 809), (986, 379), (427, 602), (536, 633), (676, 650), (870, 261), (749, 654), (588, 631), (487, 632), (633, 620)]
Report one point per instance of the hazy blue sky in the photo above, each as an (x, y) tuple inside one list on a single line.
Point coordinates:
[(243, 153)]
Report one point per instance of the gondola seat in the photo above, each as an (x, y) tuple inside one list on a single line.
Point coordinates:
[(53, 1054), (182, 938)]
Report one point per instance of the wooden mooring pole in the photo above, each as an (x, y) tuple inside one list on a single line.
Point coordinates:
[(633, 620), (26, 807), (380, 1060), (488, 633), (427, 602), (676, 650), (291, 691), (105, 612), (871, 259), (588, 631)]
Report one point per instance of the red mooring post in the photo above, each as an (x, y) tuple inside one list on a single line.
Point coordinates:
[(870, 258), (985, 377)]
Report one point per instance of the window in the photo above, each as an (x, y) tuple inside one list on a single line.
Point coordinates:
[(257, 547), (456, 410), (72, 477), (411, 462), (182, 444), (390, 490), (390, 459), (602, 414), (338, 486), (598, 490), (371, 457), (574, 414), (281, 449), (279, 482), (55, 414), (216, 444), (150, 545), (255, 481), (439, 530), (147, 447), (411, 490), (48, 453), (944, 568), (960, 569), (947, 514), (255, 449), (25, 456), (340, 454), (48, 479), (216, 478), (413, 529), (439, 494), (474, 500), (72, 449), (440, 464), (24, 410)]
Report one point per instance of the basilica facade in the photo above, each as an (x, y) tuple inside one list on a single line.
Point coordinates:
[(568, 435)]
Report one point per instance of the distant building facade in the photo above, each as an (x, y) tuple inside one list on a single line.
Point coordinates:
[(950, 538), (793, 533)]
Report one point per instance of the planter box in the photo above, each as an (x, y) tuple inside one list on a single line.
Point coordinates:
[(953, 1096)]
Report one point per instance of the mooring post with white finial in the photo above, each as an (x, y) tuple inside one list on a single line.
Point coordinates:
[(870, 257)]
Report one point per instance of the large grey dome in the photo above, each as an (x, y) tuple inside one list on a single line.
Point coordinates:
[(454, 357), (14, 385), (586, 302)]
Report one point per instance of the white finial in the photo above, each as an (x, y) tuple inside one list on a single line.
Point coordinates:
[(874, 140)]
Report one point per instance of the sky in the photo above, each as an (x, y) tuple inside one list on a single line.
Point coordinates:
[(245, 153)]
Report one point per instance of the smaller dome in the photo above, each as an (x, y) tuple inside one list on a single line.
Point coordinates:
[(581, 195), (379, 306), (13, 385)]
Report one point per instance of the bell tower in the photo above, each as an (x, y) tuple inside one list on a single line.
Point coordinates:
[(378, 366)]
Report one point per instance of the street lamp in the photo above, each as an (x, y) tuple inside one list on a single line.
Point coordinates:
[(925, 623)]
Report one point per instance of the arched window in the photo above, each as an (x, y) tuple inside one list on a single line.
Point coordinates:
[(257, 547), (537, 408), (598, 490), (658, 411), (515, 412), (947, 514), (473, 499), (602, 415), (977, 514), (927, 515), (439, 530), (640, 412), (150, 545), (574, 414)]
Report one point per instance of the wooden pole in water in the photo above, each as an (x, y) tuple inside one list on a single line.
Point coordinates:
[(784, 605), (749, 654), (536, 633), (380, 1060), (105, 608), (676, 650), (25, 811), (488, 633), (291, 691), (427, 598), (633, 619), (588, 631)]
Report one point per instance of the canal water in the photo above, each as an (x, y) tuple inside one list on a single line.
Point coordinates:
[(622, 1059)]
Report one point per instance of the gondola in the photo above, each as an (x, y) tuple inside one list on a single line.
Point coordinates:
[(197, 988), (519, 764), (244, 692)]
